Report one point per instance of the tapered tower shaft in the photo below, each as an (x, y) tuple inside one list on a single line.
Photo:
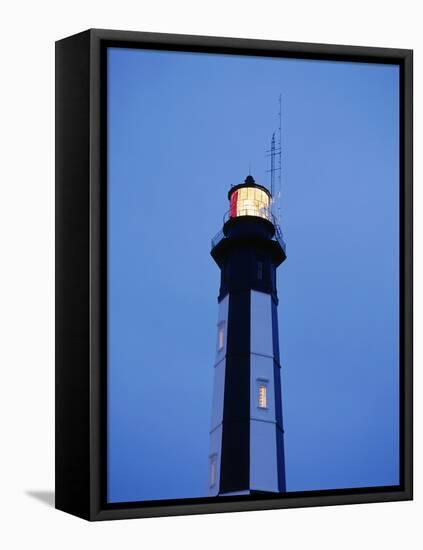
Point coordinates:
[(246, 437)]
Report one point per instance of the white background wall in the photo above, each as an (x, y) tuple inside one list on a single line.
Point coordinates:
[(28, 32)]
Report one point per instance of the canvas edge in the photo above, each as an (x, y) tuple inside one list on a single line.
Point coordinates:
[(96, 412)]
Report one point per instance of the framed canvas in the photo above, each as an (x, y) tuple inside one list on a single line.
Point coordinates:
[(233, 274)]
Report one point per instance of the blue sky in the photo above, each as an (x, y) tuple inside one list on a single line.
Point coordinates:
[(183, 128)]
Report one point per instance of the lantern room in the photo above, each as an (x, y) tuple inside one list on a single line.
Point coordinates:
[(249, 199)]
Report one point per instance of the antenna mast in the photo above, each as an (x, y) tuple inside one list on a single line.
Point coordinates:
[(272, 164), (276, 185), (278, 195)]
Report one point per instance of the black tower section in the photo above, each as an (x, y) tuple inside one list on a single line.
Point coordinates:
[(278, 403), (235, 461)]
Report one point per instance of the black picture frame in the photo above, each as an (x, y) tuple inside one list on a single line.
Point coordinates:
[(81, 274)]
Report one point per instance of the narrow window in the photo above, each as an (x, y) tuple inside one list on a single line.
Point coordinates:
[(259, 270), (262, 396), (221, 336), (212, 470), (225, 272)]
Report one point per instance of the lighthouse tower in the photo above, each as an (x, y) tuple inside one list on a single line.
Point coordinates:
[(246, 436)]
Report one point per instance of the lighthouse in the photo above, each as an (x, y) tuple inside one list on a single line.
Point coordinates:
[(246, 434)]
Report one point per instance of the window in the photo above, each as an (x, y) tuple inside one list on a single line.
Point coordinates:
[(213, 465), (225, 272), (262, 396), (259, 270), (221, 336)]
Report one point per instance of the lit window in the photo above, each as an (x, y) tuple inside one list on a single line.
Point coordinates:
[(221, 336), (212, 470), (262, 396)]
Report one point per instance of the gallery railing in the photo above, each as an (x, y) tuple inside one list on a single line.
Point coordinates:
[(264, 213)]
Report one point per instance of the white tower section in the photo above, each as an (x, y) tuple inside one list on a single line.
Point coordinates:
[(217, 403), (263, 430)]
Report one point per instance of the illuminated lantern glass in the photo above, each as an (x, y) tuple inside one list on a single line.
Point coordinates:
[(250, 201)]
